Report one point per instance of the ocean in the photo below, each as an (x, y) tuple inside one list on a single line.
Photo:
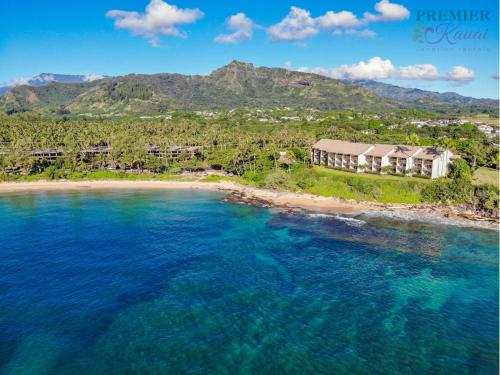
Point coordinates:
[(180, 282)]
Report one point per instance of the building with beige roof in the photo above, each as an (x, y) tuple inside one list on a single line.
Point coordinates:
[(380, 158), (401, 158), (340, 154), (432, 162)]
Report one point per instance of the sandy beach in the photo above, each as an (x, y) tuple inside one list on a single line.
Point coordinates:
[(275, 198), (249, 195), (63, 185)]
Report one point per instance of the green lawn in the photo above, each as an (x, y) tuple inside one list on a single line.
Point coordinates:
[(485, 175), (366, 186), (371, 176)]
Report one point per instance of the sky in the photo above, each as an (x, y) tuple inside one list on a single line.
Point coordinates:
[(433, 45)]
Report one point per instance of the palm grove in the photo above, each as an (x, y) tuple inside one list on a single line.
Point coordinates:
[(249, 150)]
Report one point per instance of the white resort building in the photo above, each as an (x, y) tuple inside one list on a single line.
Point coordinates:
[(400, 159)]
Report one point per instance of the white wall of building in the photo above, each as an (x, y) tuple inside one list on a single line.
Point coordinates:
[(440, 165)]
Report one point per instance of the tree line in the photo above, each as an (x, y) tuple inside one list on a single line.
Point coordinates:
[(235, 144)]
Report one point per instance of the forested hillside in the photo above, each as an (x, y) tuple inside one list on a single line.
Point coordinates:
[(235, 85)]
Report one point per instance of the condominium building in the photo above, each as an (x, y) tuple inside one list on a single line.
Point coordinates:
[(377, 157), (340, 154), (381, 158), (432, 162), (401, 158)]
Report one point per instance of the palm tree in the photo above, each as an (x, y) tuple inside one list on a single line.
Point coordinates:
[(412, 140), (445, 142)]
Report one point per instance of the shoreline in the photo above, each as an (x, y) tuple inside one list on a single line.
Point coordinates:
[(290, 201)]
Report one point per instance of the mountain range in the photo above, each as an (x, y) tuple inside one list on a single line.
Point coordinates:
[(424, 98), (44, 79), (234, 85)]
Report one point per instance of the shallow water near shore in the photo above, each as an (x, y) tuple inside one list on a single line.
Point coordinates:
[(180, 282)]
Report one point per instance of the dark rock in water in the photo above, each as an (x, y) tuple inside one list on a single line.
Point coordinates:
[(242, 198)]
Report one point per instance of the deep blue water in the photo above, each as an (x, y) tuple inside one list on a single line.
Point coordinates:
[(182, 283)]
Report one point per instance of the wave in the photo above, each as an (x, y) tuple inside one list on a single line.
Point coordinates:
[(346, 219), (320, 215), (427, 218)]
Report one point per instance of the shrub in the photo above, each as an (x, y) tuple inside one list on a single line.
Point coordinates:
[(377, 192), (76, 175), (175, 170), (461, 171), (278, 180), (387, 169), (363, 187), (449, 192), (437, 191), (53, 173), (486, 197), (458, 190), (304, 177)]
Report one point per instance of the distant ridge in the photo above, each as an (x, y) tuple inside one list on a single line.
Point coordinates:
[(424, 98), (234, 85), (44, 79)]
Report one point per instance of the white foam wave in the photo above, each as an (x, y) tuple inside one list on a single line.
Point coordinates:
[(320, 215), (348, 220), (425, 218)]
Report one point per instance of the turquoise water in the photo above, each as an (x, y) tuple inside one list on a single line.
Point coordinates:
[(182, 283)]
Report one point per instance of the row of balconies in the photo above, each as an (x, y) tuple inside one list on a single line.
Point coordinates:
[(325, 157), (423, 167), (346, 165)]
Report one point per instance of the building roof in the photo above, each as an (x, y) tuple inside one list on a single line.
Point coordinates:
[(97, 149), (429, 153), (403, 151), (342, 147), (46, 151), (285, 158), (381, 150)]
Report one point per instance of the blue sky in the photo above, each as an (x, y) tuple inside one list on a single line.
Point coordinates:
[(83, 37)]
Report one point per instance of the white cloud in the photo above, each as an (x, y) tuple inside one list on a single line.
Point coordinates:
[(374, 68), (318, 70), (44, 77), (387, 11), (341, 19), (378, 69), (364, 33), (297, 25), (92, 77), (460, 74), (419, 71), (242, 26), (18, 82), (159, 18)]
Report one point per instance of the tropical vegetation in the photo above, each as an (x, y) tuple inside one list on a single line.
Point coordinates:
[(235, 85), (249, 150)]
